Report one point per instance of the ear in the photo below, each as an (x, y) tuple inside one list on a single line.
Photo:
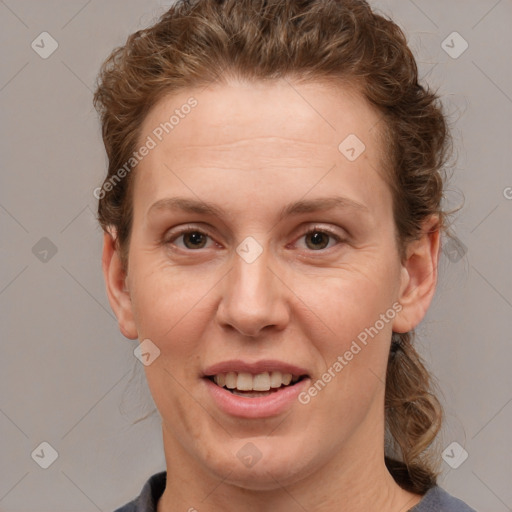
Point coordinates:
[(419, 277), (117, 291)]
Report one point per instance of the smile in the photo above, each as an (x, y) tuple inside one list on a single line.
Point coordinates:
[(253, 386), (257, 389)]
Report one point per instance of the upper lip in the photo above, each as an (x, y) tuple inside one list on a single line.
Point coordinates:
[(254, 367)]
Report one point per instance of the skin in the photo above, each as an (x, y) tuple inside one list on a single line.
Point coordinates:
[(252, 148)]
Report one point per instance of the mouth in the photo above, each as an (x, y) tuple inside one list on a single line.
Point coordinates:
[(258, 385), (255, 389)]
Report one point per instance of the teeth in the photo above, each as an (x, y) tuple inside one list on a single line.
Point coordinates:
[(287, 378), (221, 379), (231, 378), (261, 382), (244, 381), (276, 379)]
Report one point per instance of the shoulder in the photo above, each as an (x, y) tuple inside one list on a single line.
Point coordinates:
[(147, 499), (435, 500), (438, 500)]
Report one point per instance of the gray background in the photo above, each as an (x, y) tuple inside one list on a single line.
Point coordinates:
[(69, 378)]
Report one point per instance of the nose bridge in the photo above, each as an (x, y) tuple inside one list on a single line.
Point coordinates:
[(253, 297), (252, 280)]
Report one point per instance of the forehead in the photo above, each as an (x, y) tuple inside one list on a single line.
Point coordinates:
[(320, 113), (273, 127)]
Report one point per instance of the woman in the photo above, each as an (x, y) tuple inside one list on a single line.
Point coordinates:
[(272, 225)]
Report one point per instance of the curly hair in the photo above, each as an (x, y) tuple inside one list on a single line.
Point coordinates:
[(343, 42)]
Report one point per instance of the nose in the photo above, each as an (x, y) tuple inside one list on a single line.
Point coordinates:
[(254, 297)]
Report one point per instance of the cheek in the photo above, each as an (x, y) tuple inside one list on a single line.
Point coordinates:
[(348, 301), (165, 298), (352, 320), (169, 309)]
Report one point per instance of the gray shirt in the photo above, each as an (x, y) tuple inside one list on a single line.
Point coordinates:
[(435, 500)]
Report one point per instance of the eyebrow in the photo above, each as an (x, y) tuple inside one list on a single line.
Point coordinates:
[(303, 206)]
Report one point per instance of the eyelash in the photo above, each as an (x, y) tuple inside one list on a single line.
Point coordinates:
[(314, 229)]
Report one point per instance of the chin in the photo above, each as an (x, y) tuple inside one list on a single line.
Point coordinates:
[(264, 479), (265, 470)]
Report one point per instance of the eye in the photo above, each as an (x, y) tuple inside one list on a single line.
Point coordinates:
[(318, 238), (193, 238)]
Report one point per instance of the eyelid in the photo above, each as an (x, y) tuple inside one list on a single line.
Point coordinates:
[(323, 229), (170, 236), (340, 239)]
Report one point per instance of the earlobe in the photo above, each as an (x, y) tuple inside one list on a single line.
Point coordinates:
[(117, 291), (419, 277)]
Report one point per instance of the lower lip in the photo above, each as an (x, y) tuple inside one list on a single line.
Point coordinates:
[(260, 407)]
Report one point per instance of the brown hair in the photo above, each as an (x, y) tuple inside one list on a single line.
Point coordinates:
[(197, 43)]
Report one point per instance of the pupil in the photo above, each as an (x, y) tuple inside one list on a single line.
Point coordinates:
[(195, 238), (317, 238)]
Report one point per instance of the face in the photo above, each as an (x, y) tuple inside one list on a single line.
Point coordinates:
[(263, 250)]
